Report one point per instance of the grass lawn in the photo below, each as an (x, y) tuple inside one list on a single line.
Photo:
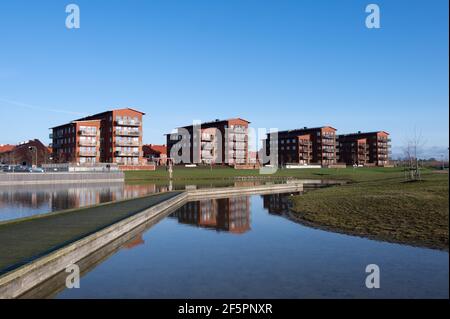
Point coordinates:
[(226, 173), (382, 207), (26, 239)]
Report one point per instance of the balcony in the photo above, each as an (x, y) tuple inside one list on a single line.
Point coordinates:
[(87, 133), (127, 153), (327, 142), (128, 123), (127, 133), (304, 142), (87, 154), (238, 130), (208, 146), (238, 137), (239, 146), (207, 137), (87, 143), (127, 143)]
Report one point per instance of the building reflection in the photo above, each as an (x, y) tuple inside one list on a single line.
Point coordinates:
[(278, 204), (137, 241), (227, 214), (33, 199)]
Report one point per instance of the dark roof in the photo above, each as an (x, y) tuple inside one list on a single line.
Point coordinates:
[(362, 134), (214, 122), (304, 129), (106, 112), (92, 117), (76, 121)]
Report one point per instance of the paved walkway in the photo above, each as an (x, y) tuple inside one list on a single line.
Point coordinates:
[(24, 241)]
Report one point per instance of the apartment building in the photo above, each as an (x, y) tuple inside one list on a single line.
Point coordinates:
[(27, 153), (228, 214), (366, 149), (110, 137), (217, 142), (304, 146)]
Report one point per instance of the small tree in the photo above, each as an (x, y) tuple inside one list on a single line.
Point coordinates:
[(413, 146)]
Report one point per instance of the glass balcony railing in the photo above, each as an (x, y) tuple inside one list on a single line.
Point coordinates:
[(128, 132), (87, 143), (87, 154), (127, 153), (127, 143), (128, 123), (87, 133)]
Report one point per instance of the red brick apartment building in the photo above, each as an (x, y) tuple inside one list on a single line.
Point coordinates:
[(110, 137), (305, 146), (27, 153), (229, 214), (218, 142), (367, 149)]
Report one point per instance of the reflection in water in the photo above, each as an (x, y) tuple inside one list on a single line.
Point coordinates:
[(27, 200), (137, 241), (23, 201), (276, 258), (228, 214), (278, 204)]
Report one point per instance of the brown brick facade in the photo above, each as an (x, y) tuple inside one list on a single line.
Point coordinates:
[(367, 149), (109, 137), (304, 146), (218, 142)]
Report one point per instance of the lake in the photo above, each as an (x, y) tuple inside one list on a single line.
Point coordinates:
[(246, 247)]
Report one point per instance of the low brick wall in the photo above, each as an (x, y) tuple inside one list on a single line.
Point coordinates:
[(60, 178), (336, 166), (137, 167)]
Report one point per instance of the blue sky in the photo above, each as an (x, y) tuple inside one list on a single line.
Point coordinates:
[(280, 64)]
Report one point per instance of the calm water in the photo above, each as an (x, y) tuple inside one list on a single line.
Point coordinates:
[(244, 247), (23, 201)]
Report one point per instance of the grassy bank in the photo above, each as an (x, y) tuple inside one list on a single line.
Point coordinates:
[(382, 207), (27, 239)]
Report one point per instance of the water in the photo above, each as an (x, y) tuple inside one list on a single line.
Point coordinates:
[(24, 201), (245, 247), (28, 200)]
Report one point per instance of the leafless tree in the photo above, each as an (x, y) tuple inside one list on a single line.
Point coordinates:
[(413, 146)]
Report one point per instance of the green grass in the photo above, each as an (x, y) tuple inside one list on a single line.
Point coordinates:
[(382, 207), (29, 238), (226, 173)]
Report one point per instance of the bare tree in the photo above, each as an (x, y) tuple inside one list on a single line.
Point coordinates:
[(412, 149)]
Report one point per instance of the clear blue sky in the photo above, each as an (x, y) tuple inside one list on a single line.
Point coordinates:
[(281, 64)]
